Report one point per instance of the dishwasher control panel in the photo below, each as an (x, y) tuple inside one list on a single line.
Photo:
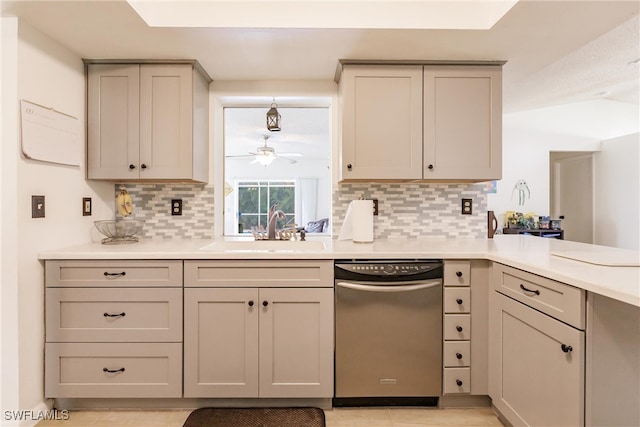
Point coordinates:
[(426, 269)]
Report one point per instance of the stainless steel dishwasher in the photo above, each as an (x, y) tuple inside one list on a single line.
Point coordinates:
[(388, 332)]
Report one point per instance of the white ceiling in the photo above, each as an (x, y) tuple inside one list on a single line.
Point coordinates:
[(440, 14), (557, 51)]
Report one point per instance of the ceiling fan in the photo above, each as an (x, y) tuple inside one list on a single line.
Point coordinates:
[(265, 154)]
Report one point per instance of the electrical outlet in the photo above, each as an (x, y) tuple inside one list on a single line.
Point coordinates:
[(467, 206), (37, 206), (86, 206), (375, 207), (176, 206)]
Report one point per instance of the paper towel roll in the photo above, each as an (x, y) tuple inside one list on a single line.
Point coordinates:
[(362, 220)]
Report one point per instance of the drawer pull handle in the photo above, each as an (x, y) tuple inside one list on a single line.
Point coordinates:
[(121, 274), (459, 328), (251, 303), (112, 371), (115, 315), (459, 273), (566, 348), (459, 301), (459, 382), (533, 291), (459, 356)]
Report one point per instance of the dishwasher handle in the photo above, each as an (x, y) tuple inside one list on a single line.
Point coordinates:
[(393, 288)]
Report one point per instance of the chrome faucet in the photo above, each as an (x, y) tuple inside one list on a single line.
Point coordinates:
[(274, 215)]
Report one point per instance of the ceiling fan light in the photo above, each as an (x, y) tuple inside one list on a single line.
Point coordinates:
[(273, 118), (265, 158)]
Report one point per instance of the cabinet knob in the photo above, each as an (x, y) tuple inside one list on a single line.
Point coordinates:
[(349, 166), (132, 167), (250, 303), (265, 303), (566, 348), (430, 167), (459, 273), (459, 328), (459, 356), (459, 382), (143, 166), (459, 301)]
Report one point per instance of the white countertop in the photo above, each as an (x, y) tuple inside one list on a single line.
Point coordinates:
[(530, 253)]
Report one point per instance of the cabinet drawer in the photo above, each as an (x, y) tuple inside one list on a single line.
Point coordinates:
[(456, 380), (457, 300), (240, 273), (457, 354), (457, 326), (114, 315), (457, 272), (556, 299), (113, 370), (117, 273)]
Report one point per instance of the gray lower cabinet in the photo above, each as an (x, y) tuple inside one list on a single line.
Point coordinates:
[(537, 362), (243, 340), (113, 329), (465, 325)]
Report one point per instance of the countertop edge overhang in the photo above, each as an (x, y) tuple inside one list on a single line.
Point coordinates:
[(529, 253)]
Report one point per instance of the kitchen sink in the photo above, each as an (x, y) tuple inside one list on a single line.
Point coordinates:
[(265, 246)]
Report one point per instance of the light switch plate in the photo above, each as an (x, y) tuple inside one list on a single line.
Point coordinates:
[(86, 206), (37, 206)]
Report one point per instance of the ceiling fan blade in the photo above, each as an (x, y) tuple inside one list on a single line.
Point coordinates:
[(292, 161), (290, 154)]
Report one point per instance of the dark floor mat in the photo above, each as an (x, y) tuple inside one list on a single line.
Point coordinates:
[(256, 417)]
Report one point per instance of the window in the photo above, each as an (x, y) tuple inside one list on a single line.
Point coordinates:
[(299, 177), (256, 197)]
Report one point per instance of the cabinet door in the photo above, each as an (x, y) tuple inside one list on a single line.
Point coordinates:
[(221, 342), (382, 122), (113, 121), (534, 380), (166, 121), (296, 342), (462, 123)]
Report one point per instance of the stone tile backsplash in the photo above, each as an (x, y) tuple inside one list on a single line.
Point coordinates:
[(416, 209), (405, 210), (152, 202)]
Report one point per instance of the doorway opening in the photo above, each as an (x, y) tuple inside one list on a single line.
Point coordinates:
[(571, 193)]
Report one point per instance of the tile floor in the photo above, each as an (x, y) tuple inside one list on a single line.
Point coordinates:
[(341, 417)]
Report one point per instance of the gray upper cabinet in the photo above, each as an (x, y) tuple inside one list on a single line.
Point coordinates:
[(462, 123), (381, 122), (421, 122), (147, 122)]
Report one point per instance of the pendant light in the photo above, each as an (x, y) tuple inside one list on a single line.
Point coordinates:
[(273, 118)]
